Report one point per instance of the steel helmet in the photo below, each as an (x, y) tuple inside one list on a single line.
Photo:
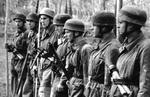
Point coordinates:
[(60, 19), (74, 25), (20, 16), (32, 16), (133, 14), (47, 11), (104, 18)]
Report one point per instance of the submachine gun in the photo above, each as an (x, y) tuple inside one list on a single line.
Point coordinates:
[(59, 63)]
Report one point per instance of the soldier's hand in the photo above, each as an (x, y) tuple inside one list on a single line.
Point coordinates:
[(44, 55), (115, 75), (14, 73), (9, 47), (87, 85), (59, 87), (6, 45), (33, 70)]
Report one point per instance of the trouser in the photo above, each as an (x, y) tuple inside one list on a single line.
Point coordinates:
[(94, 89), (16, 77), (46, 82), (14, 84), (76, 87), (28, 89), (58, 93)]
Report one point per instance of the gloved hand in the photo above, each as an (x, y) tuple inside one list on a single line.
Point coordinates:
[(14, 73), (44, 54), (9, 47), (60, 87), (115, 75), (33, 70)]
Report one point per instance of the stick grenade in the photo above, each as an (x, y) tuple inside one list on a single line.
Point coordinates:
[(7, 67), (124, 90)]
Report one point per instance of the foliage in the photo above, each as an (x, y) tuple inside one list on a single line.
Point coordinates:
[(82, 9)]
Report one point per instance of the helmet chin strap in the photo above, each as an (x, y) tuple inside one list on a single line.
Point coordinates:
[(102, 32), (75, 36), (99, 35), (127, 33)]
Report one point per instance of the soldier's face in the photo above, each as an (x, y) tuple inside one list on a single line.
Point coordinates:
[(69, 35), (31, 24), (122, 27), (97, 32), (125, 28), (19, 23), (59, 29), (45, 21)]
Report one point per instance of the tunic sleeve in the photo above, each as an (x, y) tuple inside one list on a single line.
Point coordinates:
[(144, 85), (86, 50)]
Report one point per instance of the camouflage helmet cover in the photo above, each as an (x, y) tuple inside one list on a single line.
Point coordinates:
[(60, 19), (48, 12), (133, 14), (104, 18), (20, 16), (32, 16), (74, 25)]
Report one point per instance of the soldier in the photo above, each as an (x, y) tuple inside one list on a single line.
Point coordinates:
[(19, 50), (32, 23), (76, 59), (46, 60), (133, 63), (103, 55), (59, 21)]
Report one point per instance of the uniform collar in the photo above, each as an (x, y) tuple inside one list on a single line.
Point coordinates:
[(128, 46), (106, 41), (80, 41), (48, 31)]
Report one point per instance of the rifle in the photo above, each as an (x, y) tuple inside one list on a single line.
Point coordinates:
[(15, 52), (23, 73), (36, 76), (37, 6), (59, 61)]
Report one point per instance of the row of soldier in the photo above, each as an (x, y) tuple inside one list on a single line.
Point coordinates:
[(77, 68)]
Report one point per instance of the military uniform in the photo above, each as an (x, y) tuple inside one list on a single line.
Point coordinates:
[(103, 55), (48, 36), (106, 53), (76, 60), (133, 63), (45, 64), (62, 51), (77, 65), (136, 54), (28, 89), (19, 49)]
